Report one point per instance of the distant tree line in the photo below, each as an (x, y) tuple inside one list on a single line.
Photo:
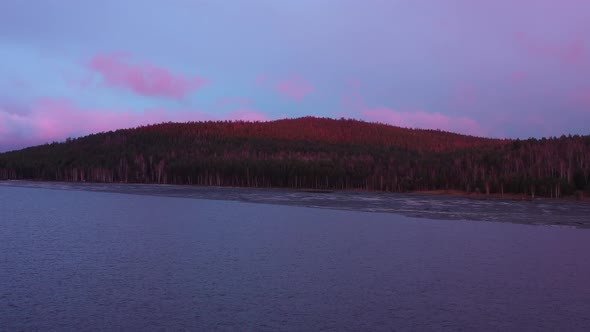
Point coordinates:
[(311, 153)]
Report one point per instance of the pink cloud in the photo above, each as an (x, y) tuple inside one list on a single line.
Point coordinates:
[(50, 120), (423, 120), (143, 78), (294, 87), (354, 104), (54, 120)]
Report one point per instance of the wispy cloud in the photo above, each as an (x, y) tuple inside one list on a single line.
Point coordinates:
[(293, 87), (355, 105), (143, 78), (55, 119), (423, 120), (50, 119)]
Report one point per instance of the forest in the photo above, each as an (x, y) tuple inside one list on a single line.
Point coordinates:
[(312, 153)]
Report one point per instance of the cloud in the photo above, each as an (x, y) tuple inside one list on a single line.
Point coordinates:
[(423, 120), (353, 105), (50, 120), (293, 87), (143, 78)]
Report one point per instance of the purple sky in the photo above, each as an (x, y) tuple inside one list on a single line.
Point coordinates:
[(504, 68)]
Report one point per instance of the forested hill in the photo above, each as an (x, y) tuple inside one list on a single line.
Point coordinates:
[(311, 153)]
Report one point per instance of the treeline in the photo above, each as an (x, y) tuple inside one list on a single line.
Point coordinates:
[(311, 153)]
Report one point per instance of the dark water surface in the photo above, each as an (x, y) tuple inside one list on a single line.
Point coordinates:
[(79, 260)]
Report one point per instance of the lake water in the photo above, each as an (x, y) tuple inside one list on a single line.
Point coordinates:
[(80, 260)]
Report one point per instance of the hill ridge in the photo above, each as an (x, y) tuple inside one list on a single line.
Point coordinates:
[(310, 152)]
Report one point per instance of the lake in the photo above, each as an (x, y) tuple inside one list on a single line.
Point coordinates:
[(74, 260)]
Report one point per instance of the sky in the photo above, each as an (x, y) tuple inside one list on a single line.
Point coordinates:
[(503, 68)]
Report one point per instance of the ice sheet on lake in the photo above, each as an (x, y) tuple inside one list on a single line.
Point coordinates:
[(535, 212)]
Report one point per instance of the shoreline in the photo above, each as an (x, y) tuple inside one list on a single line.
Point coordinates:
[(433, 205), (437, 192), (509, 196)]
